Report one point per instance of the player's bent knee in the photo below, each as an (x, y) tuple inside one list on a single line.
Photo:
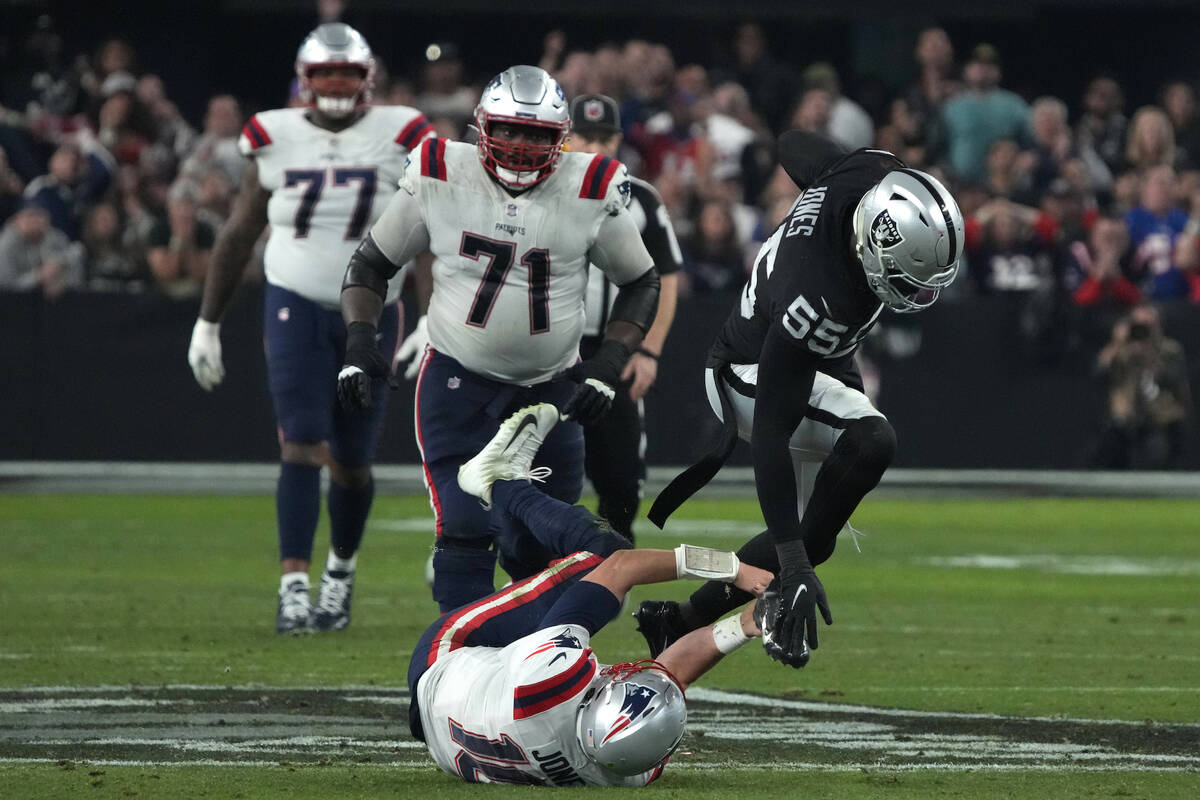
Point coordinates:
[(313, 454), (873, 440), (349, 477)]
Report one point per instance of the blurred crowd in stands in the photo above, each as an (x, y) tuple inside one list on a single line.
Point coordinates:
[(1080, 209)]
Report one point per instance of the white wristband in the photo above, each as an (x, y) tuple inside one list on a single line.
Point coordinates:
[(705, 563), (205, 328), (728, 634)]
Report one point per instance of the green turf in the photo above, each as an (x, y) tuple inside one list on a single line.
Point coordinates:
[(335, 782), (153, 590), (181, 590)]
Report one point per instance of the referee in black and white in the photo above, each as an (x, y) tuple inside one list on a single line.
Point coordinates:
[(616, 448)]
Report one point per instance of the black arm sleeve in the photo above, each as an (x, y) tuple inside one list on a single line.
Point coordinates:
[(785, 381), (369, 268), (637, 301), (657, 234), (804, 156)]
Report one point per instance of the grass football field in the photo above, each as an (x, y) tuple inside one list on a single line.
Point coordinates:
[(991, 648)]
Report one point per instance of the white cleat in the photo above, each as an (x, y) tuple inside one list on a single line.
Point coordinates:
[(509, 455)]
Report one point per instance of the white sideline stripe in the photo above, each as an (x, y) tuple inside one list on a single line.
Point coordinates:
[(291, 744), (1070, 565), (202, 687), (249, 477), (714, 696), (734, 698), (676, 766)]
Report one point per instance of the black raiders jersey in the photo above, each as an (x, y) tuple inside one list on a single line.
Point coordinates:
[(807, 277)]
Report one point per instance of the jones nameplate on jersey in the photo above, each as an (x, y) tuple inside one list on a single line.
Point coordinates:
[(804, 215)]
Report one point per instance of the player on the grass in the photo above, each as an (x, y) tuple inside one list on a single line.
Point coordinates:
[(507, 690), (513, 223), (867, 232), (319, 175)]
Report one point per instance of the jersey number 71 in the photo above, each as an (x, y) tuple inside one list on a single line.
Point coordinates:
[(499, 255)]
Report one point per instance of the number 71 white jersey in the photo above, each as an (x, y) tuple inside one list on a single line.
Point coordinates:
[(510, 273), (327, 189)]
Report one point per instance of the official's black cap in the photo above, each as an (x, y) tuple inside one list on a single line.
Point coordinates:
[(595, 114)]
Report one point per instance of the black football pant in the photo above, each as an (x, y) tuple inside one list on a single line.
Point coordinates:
[(615, 462)]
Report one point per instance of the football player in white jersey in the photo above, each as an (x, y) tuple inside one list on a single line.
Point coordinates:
[(513, 223), (507, 689), (320, 175)]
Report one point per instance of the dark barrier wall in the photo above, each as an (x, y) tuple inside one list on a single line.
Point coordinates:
[(105, 377)]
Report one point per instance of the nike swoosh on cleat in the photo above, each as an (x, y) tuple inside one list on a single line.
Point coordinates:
[(526, 421), (803, 588)]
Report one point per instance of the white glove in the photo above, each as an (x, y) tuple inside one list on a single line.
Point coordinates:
[(204, 354), (413, 347)]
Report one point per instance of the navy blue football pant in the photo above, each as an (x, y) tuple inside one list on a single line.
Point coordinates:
[(304, 343), (457, 413)]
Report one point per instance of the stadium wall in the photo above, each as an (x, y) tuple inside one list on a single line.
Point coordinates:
[(94, 377)]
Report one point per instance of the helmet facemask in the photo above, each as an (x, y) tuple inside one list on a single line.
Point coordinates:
[(335, 105), (519, 165), (634, 722)]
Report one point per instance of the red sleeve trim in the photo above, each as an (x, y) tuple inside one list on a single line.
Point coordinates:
[(433, 158), (414, 132), (534, 698), (256, 133)]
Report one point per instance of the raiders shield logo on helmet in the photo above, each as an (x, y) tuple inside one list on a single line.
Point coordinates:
[(884, 232)]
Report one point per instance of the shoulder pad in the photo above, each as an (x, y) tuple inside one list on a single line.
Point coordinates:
[(412, 133), (254, 136), (433, 158), (599, 175), (569, 671)]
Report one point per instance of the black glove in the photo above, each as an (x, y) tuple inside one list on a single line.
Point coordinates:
[(597, 378), (789, 622), (363, 363)]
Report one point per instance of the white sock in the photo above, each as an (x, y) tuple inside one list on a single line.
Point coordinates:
[(335, 564), (290, 577)]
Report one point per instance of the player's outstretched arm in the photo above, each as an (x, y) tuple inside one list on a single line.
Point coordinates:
[(625, 569), (699, 651), (235, 242)]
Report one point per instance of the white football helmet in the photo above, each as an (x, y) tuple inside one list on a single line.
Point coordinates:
[(526, 96), (908, 233), (634, 722), (330, 45)]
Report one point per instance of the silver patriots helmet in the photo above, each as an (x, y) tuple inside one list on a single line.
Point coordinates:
[(529, 97), (908, 233), (634, 722), (335, 44)]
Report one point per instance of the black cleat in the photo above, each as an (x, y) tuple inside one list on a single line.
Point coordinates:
[(660, 622)]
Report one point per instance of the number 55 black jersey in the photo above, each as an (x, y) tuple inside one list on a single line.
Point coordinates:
[(807, 277)]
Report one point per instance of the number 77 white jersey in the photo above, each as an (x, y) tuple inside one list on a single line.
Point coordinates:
[(327, 189), (510, 273)]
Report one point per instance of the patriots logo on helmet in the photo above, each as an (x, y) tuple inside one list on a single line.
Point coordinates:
[(637, 699), (884, 231)]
